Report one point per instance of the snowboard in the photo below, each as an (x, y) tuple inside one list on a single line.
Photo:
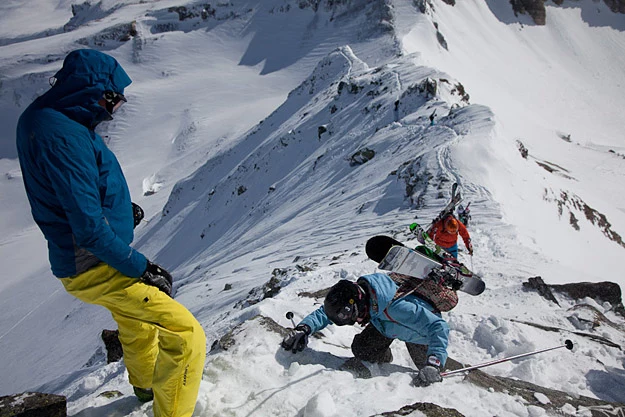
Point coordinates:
[(394, 256)]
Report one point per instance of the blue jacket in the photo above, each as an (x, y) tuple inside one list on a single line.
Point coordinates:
[(409, 319), (77, 191)]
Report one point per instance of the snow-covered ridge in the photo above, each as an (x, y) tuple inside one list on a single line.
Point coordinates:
[(304, 148)]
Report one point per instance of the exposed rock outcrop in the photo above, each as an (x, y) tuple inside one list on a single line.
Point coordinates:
[(428, 409), (33, 404), (113, 346), (617, 6), (536, 8), (527, 391), (603, 291)]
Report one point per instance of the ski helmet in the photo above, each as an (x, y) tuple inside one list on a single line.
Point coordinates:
[(451, 225), (344, 303)]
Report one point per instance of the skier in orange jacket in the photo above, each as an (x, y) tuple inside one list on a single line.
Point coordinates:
[(445, 233)]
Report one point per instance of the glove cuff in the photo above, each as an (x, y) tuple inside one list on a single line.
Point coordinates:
[(304, 328), (433, 361)]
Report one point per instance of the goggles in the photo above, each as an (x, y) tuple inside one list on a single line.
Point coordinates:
[(347, 315), (113, 101)]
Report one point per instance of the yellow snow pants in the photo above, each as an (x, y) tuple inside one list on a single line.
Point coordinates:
[(164, 345)]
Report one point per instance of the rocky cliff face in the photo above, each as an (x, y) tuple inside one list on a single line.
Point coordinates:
[(536, 8), (617, 6)]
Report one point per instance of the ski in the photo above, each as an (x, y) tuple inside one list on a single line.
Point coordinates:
[(464, 214), (425, 239), (456, 197)]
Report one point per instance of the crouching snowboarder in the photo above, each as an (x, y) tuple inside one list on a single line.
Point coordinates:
[(372, 302)]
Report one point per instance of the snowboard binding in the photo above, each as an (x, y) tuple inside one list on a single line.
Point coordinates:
[(446, 276)]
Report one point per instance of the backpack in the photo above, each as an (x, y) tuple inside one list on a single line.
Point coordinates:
[(430, 289)]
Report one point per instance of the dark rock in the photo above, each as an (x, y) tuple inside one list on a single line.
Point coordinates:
[(534, 8), (605, 291), (527, 391), (362, 156), (429, 409), (441, 40), (110, 394), (321, 130), (537, 283), (267, 290), (113, 346), (602, 291), (429, 86), (617, 6), (522, 149), (33, 404)]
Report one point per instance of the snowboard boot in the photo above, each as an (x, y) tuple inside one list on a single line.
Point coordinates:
[(144, 394)]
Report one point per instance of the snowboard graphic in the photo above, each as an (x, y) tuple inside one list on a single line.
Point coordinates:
[(405, 261), (393, 256)]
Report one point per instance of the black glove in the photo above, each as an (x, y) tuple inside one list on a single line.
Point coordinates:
[(137, 214), (297, 339), (157, 277), (429, 374)]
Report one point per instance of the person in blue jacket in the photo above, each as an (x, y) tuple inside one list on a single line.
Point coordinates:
[(80, 200), (371, 302)]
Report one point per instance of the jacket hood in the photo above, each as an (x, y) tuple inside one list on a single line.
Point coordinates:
[(384, 290), (85, 76)]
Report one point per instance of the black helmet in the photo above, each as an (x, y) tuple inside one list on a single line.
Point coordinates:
[(344, 303)]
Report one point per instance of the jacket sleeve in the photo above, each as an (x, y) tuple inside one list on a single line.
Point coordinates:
[(71, 167), (419, 319), (462, 230), (316, 320)]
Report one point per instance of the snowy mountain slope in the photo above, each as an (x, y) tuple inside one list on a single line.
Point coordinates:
[(247, 374), (558, 90), (252, 198), (190, 96), (288, 181)]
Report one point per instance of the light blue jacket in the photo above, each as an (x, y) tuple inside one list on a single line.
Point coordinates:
[(409, 319), (77, 191)]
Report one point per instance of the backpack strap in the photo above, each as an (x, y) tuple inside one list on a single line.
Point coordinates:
[(389, 316)]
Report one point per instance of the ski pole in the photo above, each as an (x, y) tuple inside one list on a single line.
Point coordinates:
[(289, 315), (567, 344)]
